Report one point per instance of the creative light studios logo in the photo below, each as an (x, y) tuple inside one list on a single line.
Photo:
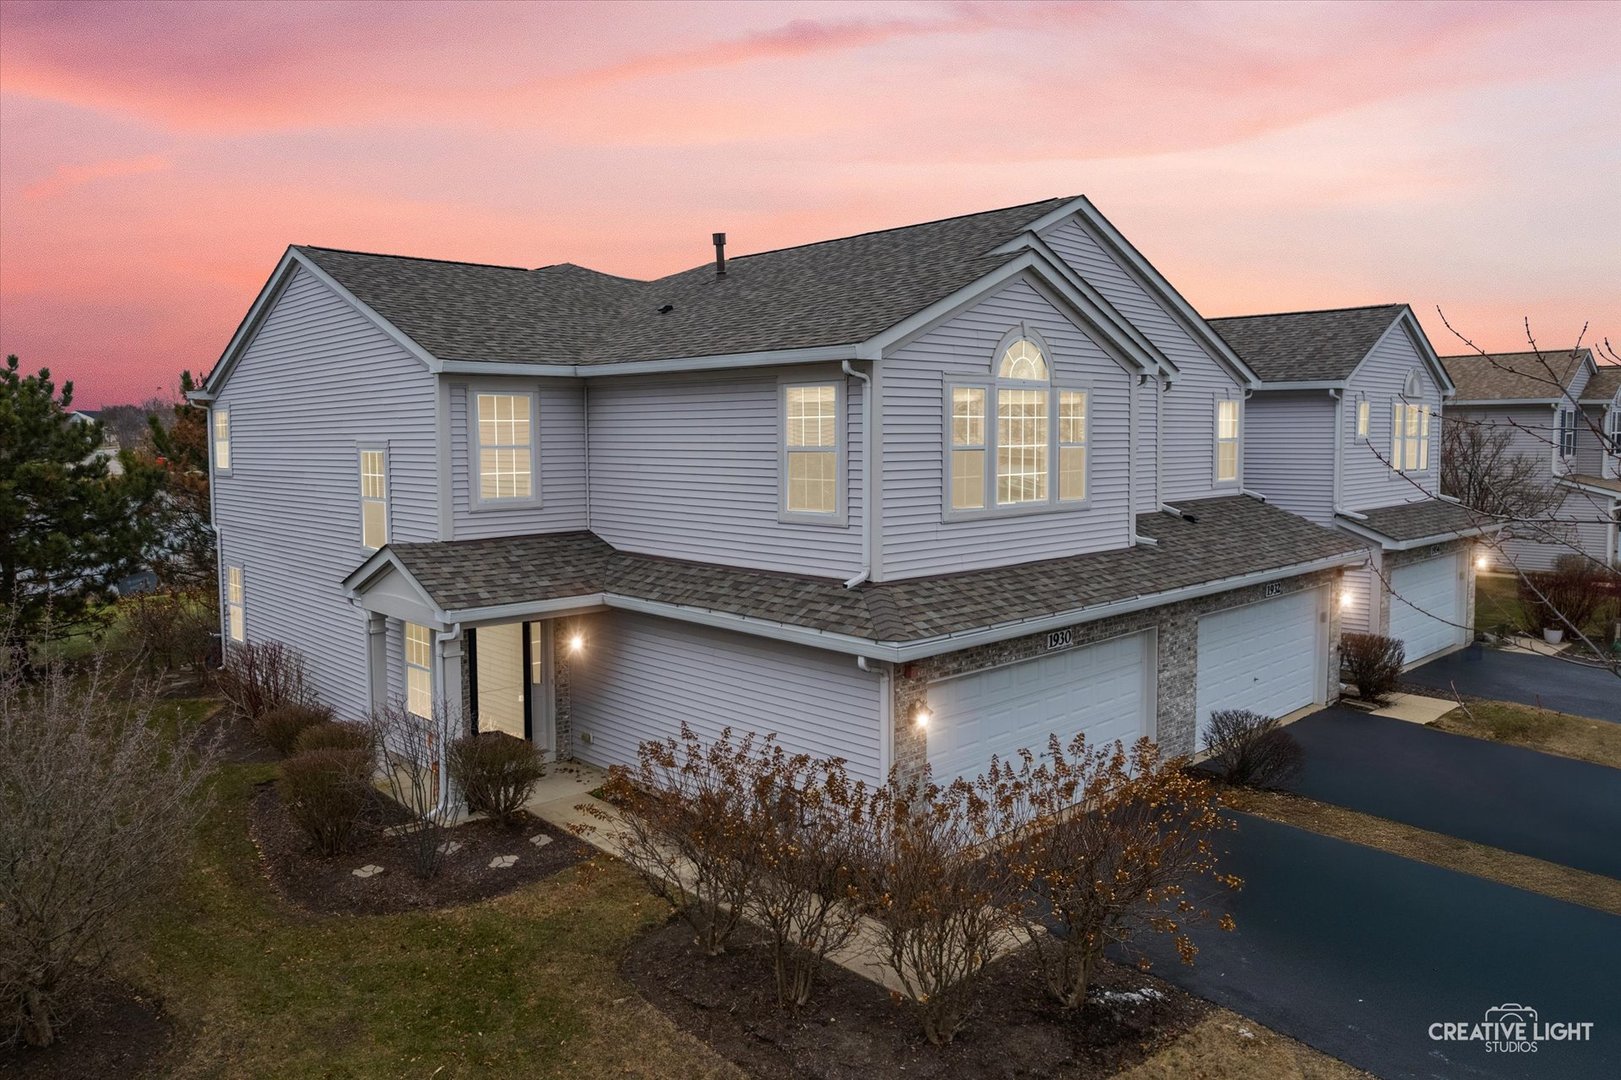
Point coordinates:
[(1512, 1029)]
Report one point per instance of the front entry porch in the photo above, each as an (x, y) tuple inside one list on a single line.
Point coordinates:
[(511, 682)]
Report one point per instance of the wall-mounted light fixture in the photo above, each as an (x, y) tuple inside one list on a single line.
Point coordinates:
[(576, 643), (922, 717), (1345, 597), (1483, 562)]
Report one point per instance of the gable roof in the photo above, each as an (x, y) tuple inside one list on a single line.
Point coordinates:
[(1308, 346), (1414, 524), (1217, 541), (1521, 376), (1603, 386)]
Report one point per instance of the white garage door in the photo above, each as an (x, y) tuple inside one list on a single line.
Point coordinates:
[(1265, 657), (1103, 690), (1426, 606)]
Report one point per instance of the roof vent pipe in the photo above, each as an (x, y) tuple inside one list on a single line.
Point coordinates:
[(720, 254)]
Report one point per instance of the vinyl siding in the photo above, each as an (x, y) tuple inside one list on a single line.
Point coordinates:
[(1289, 452), (1366, 478), (641, 677), (1356, 599), (561, 432), (687, 466), (1590, 455), (916, 539), (317, 379), (1579, 525), (1188, 469)]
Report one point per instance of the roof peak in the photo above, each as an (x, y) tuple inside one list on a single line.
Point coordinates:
[(413, 258), (1308, 311)]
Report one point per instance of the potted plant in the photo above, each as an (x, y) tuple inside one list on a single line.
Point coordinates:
[(1553, 635)]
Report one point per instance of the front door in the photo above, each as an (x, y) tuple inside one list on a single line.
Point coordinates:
[(510, 682)]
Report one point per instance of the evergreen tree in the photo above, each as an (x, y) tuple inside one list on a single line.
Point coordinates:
[(179, 449)]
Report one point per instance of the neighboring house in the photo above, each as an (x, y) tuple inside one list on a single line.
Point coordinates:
[(108, 450), (918, 495), (1345, 430), (1565, 413)]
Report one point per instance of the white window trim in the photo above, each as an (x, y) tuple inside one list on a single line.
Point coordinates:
[(236, 611), (476, 502), (1564, 431), (1399, 439), (1059, 446), (1216, 440), (840, 516), (1362, 419), (408, 667), (361, 449), (214, 440), (1612, 441)]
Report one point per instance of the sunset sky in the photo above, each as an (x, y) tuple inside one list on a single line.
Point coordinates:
[(155, 159)]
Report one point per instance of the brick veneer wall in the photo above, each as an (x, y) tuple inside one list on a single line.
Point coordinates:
[(1176, 626)]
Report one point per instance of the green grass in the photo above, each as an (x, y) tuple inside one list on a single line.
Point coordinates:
[(1497, 602), (523, 985)]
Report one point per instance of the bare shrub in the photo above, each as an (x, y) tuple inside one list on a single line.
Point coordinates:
[(1373, 662), (1252, 750), (283, 725), (413, 751), (495, 773), (326, 793), (334, 736), (1105, 844), (258, 677), (943, 909), (1569, 597), (169, 628), (686, 828), (98, 801)]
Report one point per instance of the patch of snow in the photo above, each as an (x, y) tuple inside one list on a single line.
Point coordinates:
[(1129, 997)]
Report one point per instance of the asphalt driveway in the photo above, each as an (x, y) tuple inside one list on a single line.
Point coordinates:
[(1550, 807), (1529, 679), (1357, 952)]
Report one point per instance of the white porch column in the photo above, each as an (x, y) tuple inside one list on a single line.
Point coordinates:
[(376, 660), (447, 686)]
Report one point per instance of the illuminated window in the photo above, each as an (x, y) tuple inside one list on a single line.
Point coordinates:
[(1410, 437), (1022, 360), (1227, 441), (506, 447), (1362, 418), (967, 448), (373, 499), (1022, 428), (419, 670), (1071, 445), (811, 447), (222, 439), (233, 603)]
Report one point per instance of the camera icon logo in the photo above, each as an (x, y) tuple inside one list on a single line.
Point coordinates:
[(1510, 1013)]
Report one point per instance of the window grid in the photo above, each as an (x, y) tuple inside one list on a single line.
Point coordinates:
[(373, 499), (222, 440), (1410, 437), (1021, 446), (1362, 418), (1226, 440), (967, 448), (812, 439), (233, 603), (1023, 360), (418, 670), (1071, 445), (505, 447), (1567, 432)]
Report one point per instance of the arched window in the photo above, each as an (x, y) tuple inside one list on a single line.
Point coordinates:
[(1414, 386), (1023, 360), (1022, 432)]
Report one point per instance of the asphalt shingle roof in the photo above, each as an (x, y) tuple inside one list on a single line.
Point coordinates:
[(1602, 386), (834, 292), (1307, 346), (1589, 480), (1417, 520), (1227, 538), (1514, 376)]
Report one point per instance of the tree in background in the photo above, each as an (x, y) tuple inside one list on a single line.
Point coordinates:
[(68, 529), (1481, 469), (178, 442)]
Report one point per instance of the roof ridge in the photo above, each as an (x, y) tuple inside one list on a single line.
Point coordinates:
[(1307, 311), (413, 258), (1488, 354)]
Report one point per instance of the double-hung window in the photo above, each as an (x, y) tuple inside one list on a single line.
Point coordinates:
[(811, 449), (1022, 442), (419, 670), (222, 439), (968, 447), (1362, 417), (373, 499), (1227, 440), (1071, 445), (1410, 437), (506, 447), (1612, 432), (234, 622), (1566, 431)]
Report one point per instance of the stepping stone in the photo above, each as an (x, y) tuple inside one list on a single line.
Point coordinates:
[(369, 870), (501, 862), (540, 839), (450, 847)]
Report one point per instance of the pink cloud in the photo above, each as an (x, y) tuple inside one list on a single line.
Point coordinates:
[(64, 178)]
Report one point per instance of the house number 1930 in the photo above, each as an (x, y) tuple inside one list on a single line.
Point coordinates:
[(1058, 639)]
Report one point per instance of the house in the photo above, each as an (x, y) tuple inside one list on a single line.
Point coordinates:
[(108, 450), (1345, 430), (1565, 414), (917, 495)]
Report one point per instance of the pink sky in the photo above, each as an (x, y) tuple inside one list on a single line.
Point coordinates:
[(155, 159)]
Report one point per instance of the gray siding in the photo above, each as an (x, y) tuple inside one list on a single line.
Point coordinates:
[(1591, 458), (561, 431), (640, 677), (1356, 599), (1580, 524), (687, 466), (1190, 410), (317, 379), (1289, 451), (916, 538), (1366, 478)]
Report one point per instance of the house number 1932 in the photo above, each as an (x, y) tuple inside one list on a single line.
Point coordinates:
[(1058, 639), (1272, 588)]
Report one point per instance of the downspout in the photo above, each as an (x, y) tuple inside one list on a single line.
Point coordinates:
[(1159, 447), (868, 511), (219, 540), (585, 419), (1339, 443)]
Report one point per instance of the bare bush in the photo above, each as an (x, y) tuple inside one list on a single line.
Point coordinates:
[(495, 773), (334, 736), (1569, 597), (1106, 846), (1373, 662), (170, 628), (98, 800), (260, 676), (326, 793), (283, 725), (413, 751), (1252, 750)]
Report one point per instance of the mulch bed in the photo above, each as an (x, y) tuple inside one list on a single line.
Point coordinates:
[(120, 1033), (854, 1030), (328, 885), (238, 743)]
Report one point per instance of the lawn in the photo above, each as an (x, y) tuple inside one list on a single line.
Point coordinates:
[(1497, 602), (1597, 741)]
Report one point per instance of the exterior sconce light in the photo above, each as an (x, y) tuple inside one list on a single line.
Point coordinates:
[(1483, 562), (1345, 598), (922, 717), (576, 642)]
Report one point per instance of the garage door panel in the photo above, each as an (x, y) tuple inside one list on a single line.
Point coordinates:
[(1265, 657), (1101, 689), (1426, 606)]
